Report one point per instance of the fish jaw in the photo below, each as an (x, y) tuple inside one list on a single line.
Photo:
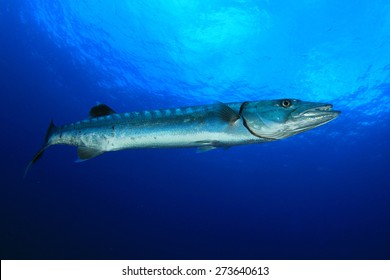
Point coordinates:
[(313, 116)]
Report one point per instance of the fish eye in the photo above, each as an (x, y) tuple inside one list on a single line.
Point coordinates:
[(286, 103)]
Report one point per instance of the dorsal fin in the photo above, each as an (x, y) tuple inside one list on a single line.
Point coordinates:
[(227, 114), (100, 111)]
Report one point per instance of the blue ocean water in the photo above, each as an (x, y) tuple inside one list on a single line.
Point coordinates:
[(324, 194)]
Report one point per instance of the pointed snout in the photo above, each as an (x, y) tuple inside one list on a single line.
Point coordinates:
[(314, 109)]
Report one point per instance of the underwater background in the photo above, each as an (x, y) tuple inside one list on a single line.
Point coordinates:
[(323, 194)]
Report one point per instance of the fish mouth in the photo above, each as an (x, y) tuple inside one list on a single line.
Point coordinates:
[(313, 116), (320, 112)]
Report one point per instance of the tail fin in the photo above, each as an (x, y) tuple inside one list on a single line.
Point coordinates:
[(39, 154)]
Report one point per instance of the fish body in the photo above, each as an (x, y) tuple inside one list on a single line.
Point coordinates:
[(205, 127)]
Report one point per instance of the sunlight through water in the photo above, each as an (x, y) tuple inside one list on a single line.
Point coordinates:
[(230, 50)]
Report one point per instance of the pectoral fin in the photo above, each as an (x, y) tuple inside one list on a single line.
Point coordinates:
[(227, 114)]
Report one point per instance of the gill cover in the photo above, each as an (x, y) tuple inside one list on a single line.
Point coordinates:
[(266, 119)]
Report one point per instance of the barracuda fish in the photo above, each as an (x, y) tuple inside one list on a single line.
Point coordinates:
[(204, 127)]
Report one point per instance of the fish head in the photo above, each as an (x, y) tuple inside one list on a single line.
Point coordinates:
[(278, 119)]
